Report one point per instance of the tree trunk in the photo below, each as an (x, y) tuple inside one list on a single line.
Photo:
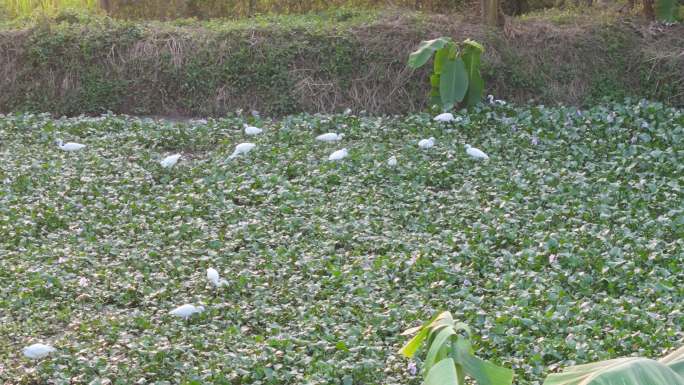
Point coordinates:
[(649, 12), (491, 13), (106, 5)]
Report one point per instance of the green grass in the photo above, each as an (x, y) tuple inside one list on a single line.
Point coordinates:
[(206, 9), (328, 20), (14, 9), (565, 251)]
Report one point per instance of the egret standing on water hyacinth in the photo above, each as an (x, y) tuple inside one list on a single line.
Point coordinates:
[(493, 101), (186, 311), (170, 161), (426, 143), (251, 130), (392, 161), (70, 146), (339, 154), (330, 137), (475, 153), (37, 351), (242, 148), (213, 277), (446, 117)]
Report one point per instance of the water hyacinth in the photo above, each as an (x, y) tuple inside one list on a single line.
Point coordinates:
[(327, 262), (411, 368)]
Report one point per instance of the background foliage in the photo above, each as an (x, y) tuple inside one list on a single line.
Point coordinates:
[(170, 9), (319, 63)]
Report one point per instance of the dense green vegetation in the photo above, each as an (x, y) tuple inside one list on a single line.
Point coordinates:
[(566, 246), (232, 9)]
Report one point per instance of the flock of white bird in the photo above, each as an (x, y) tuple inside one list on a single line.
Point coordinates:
[(246, 147), (37, 351)]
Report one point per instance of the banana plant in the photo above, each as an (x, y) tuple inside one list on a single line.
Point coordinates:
[(456, 74), (669, 370), (450, 356), (667, 10)]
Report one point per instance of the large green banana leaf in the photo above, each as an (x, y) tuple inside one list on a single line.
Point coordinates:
[(625, 371)]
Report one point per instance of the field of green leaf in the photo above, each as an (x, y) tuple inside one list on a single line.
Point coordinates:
[(566, 246)]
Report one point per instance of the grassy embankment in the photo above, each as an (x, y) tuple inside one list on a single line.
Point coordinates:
[(324, 62)]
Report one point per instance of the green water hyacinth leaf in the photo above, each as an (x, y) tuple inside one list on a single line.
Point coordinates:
[(425, 50), (624, 371), (567, 249)]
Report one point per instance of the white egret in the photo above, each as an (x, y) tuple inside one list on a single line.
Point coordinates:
[(186, 311), (493, 101), (242, 148), (392, 161), (37, 351), (170, 161), (213, 277), (339, 154), (330, 137), (70, 146), (446, 117), (251, 130), (475, 153), (426, 143)]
